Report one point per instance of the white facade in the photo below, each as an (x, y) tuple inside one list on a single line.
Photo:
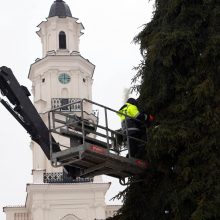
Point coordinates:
[(61, 74), (83, 201)]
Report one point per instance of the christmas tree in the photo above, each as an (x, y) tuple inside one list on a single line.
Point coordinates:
[(180, 85)]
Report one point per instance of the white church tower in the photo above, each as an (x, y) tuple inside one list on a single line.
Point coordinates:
[(61, 76)]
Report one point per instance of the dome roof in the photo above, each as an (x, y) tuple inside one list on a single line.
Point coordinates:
[(59, 8)]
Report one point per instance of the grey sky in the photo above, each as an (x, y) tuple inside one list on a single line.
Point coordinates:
[(110, 26)]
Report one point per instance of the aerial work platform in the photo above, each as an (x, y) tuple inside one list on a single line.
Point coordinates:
[(75, 137), (94, 160), (91, 146)]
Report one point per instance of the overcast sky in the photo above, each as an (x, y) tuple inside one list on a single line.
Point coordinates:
[(110, 26)]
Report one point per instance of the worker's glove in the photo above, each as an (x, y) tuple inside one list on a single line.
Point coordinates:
[(151, 118)]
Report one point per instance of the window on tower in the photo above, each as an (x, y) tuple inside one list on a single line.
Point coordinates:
[(62, 40)]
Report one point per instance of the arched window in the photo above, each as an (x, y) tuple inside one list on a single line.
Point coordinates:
[(62, 40), (70, 217)]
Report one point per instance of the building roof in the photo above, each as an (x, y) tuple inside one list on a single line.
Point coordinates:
[(60, 8)]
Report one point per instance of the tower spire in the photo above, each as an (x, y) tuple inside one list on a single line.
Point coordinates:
[(60, 8)]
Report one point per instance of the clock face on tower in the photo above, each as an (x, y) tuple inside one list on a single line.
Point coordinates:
[(64, 78)]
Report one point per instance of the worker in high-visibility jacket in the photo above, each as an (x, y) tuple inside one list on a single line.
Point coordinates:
[(133, 124)]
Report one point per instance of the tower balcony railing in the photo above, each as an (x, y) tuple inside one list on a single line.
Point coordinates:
[(58, 102), (61, 177)]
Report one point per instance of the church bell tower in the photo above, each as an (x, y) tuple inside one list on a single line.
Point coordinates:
[(62, 75)]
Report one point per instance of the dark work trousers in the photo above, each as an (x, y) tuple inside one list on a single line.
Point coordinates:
[(135, 135), (132, 143)]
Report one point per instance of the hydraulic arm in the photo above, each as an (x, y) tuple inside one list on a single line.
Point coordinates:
[(25, 113)]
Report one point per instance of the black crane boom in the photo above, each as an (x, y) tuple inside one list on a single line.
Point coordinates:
[(25, 113)]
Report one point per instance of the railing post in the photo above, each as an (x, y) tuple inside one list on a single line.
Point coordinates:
[(127, 137), (50, 136), (82, 118), (107, 132)]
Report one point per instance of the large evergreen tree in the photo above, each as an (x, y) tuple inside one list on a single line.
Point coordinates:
[(180, 75)]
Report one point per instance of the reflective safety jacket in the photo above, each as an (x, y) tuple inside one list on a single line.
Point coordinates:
[(132, 112), (135, 121), (129, 110)]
